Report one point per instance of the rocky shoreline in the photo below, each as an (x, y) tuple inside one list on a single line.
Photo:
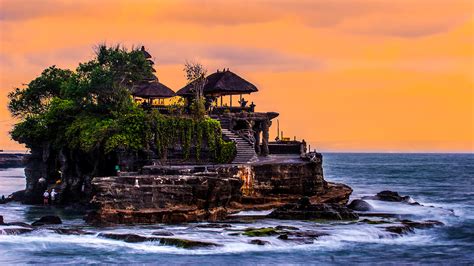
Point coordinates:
[(302, 210)]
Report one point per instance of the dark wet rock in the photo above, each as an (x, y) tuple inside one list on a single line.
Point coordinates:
[(360, 205), (213, 225), (19, 224), (181, 243), (258, 242), (129, 238), (308, 234), (408, 226), (423, 224), (1, 220), (401, 230), (388, 195), (185, 243), (18, 196), (265, 231), (49, 219), (162, 233), (295, 211), (154, 227), (301, 237), (380, 214), (5, 200), (367, 221), (15, 231), (285, 227), (70, 231)]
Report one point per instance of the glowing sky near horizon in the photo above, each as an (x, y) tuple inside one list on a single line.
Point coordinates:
[(345, 75)]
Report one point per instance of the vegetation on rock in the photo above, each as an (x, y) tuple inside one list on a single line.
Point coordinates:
[(89, 115), (266, 231)]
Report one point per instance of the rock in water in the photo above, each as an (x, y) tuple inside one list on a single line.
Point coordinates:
[(15, 231), (266, 231), (72, 231), (184, 243), (19, 224), (259, 242), (388, 195), (18, 196), (360, 205), (162, 233), (129, 238), (50, 219), (1, 219), (423, 224), (408, 226), (401, 230), (327, 211), (180, 243)]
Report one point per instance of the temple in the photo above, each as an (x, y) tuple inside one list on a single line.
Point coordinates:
[(223, 93)]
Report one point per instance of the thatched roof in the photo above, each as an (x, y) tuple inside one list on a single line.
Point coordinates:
[(145, 53), (153, 89), (222, 83)]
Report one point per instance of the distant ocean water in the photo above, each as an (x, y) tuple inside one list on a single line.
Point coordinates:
[(444, 181)]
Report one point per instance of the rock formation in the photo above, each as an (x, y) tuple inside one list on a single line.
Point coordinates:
[(177, 194)]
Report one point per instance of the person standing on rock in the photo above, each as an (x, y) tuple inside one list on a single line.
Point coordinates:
[(45, 197), (53, 195)]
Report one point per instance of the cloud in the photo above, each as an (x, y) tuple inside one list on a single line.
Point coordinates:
[(175, 53), (250, 58), (28, 9), (402, 18)]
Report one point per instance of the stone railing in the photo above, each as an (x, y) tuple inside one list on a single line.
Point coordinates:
[(246, 134)]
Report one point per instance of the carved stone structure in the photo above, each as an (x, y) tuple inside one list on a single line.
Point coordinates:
[(255, 127)]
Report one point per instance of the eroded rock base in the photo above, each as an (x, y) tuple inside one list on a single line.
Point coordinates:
[(190, 194)]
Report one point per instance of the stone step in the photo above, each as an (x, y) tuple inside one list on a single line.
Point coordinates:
[(245, 150)]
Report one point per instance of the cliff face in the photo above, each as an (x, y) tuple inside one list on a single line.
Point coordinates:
[(68, 172), (186, 194)]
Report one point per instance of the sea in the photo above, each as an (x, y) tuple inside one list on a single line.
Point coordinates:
[(442, 183)]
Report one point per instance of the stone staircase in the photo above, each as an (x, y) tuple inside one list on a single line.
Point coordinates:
[(245, 151)]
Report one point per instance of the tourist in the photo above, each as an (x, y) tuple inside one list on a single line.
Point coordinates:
[(53, 196), (243, 102), (45, 197)]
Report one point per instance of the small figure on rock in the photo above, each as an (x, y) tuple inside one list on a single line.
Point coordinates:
[(53, 195), (46, 197)]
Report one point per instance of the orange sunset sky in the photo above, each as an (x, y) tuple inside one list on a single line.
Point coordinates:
[(346, 75)]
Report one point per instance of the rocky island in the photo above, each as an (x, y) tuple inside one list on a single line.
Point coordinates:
[(109, 136), (113, 139)]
